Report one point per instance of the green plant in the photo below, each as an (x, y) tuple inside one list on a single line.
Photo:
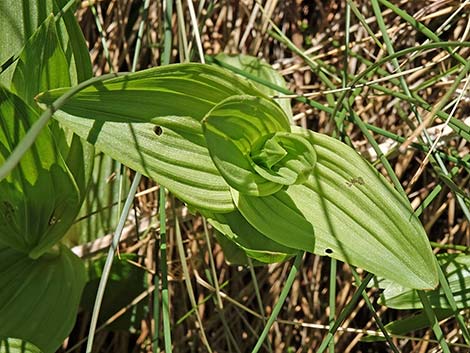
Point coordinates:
[(229, 152), (41, 279), (220, 144)]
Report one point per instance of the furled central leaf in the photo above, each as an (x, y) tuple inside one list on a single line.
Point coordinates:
[(250, 142), (269, 152), (284, 158)]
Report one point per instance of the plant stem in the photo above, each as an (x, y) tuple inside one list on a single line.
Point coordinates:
[(164, 269), (345, 313), (280, 302), (109, 261), (433, 320)]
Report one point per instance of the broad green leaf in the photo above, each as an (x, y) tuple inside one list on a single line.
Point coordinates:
[(18, 21), (177, 159), (415, 322), (233, 130), (74, 45), (39, 199), (42, 64), (235, 228), (457, 271), (348, 211), (39, 298), (168, 157), (261, 69), (233, 254), (180, 89), (14, 345), (54, 55), (345, 209)]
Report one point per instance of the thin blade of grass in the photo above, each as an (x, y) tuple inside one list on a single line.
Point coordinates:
[(344, 313), (282, 298)]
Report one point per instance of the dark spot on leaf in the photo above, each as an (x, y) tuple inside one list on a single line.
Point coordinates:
[(328, 251), (53, 220), (158, 130)]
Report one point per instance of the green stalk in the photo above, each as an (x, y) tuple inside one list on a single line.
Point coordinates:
[(456, 247), (258, 296), (332, 299), (167, 42), (282, 298), (344, 79), (109, 262), (140, 33), (212, 276), (127, 205), (189, 286), (156, 300), (345, 313), (164, 269), (433, 320), (64, 9), (364, 24), (166, 57), (377, 319), (102, 35), (427, 201), (183, 41)]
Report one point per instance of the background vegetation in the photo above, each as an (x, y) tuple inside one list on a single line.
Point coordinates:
[(322, 49)]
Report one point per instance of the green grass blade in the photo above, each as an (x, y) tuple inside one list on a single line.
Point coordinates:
[(258, 297), (433, 320), (102, 35), (332, 299), (282, 298), (109, 262), (377, 319), (189, 286), (344, 313), (164, 270)]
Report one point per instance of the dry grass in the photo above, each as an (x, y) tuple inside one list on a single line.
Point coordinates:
[(317, 28)]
